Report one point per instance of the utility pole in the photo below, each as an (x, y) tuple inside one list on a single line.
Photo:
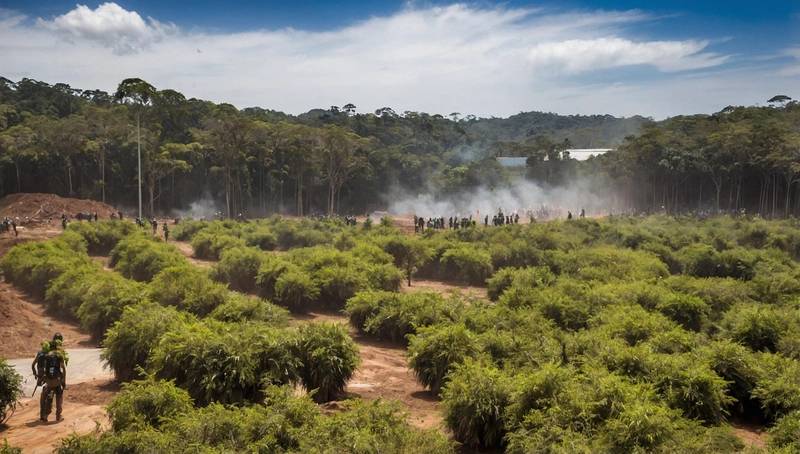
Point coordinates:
[(139, 158)]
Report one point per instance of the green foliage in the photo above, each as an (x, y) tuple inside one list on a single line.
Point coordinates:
[(756, 326), (102, 237), (372, 427), (473, 399), (147, 402), (141, 258), (224, 363), (131, 340), (329, 357), (209, 245), (296, 291), (187, 288), (436, 350), (467, 264), (104, 301), (241, 308), (10, 389), (239, 268), (785, 434), (394, 316), (532, 277)]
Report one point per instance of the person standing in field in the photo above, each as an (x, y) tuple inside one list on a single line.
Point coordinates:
[(54, 377), (166, 231)]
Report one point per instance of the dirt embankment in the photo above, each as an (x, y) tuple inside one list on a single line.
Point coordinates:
[(38, 208)]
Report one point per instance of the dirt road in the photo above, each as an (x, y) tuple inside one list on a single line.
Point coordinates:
[(84, 365)]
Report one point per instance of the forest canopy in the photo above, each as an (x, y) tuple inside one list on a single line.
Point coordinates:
[(56, 138)]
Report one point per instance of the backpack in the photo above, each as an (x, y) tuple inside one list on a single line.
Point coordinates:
[(41, 363), (52, 365)]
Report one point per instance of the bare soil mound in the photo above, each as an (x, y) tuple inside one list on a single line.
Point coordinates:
[(25, 324), (37, 208)]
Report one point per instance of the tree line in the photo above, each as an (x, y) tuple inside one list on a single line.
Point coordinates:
[(55, 138)]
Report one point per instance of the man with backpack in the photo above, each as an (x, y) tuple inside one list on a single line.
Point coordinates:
[(54, 378)]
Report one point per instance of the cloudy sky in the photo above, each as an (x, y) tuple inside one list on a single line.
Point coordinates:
[(656, 58)]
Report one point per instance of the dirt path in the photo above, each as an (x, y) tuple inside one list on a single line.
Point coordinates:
[(90, 388), (187, 251), (467, 291), (384, 374), (84, 411)]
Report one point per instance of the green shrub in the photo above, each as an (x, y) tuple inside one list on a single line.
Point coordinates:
[(147, 403), (436, 350), (187, 288), (188, 228), (102, 237), (262, 239), (224, 363), (337, 284), (633, 324), (131, 340), (756, 326), (474, 399), (271, 269), (66, 293), (371, 427), (736, 365), (147, 440), (104, 301), (209, 245), (466, 264), (785, 434), (408, 253), (32, 266), (10, 389), (329, 358), (694, 389), (504, 278), (240, 308), (605, 264), (393, 316), (777, 385), (688, 311), (141, 258), (238, 267), (640, 427), (296, 291)]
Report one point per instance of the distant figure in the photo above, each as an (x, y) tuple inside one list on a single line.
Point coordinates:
[(486, 221), (569, 215), (120, 215), (95, 216), (516, 218), (14, 227), (64, 221), (154, 224), (583, 213), (166, 231)]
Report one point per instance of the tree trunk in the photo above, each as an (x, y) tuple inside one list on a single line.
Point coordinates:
[(19, 180)]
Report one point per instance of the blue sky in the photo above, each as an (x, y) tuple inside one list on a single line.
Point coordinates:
[(623, 57)]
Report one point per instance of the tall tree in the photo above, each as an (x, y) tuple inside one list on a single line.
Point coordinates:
[(139, 94)]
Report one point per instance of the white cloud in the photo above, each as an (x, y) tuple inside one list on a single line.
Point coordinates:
[(110, 25), (495, 61), (580, 55)]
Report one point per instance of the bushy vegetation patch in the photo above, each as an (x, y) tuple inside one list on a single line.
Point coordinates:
[(140, 257), (10, 389), (328, 358), (393, 316), (102, 237)]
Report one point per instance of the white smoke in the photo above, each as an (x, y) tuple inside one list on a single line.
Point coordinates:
[(204, 208), (520, 197)]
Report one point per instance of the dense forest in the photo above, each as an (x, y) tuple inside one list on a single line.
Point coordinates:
[(55, 138)]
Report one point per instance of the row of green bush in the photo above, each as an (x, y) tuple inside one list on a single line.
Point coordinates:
[(157, 416)]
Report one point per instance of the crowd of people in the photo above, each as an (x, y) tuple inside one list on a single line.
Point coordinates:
[(499, 219)]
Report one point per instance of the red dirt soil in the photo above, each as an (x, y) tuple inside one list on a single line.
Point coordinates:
[(384, 374), (84, 411), (37, 208)]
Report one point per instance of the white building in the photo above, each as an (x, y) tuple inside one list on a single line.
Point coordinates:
[(578, 154)]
